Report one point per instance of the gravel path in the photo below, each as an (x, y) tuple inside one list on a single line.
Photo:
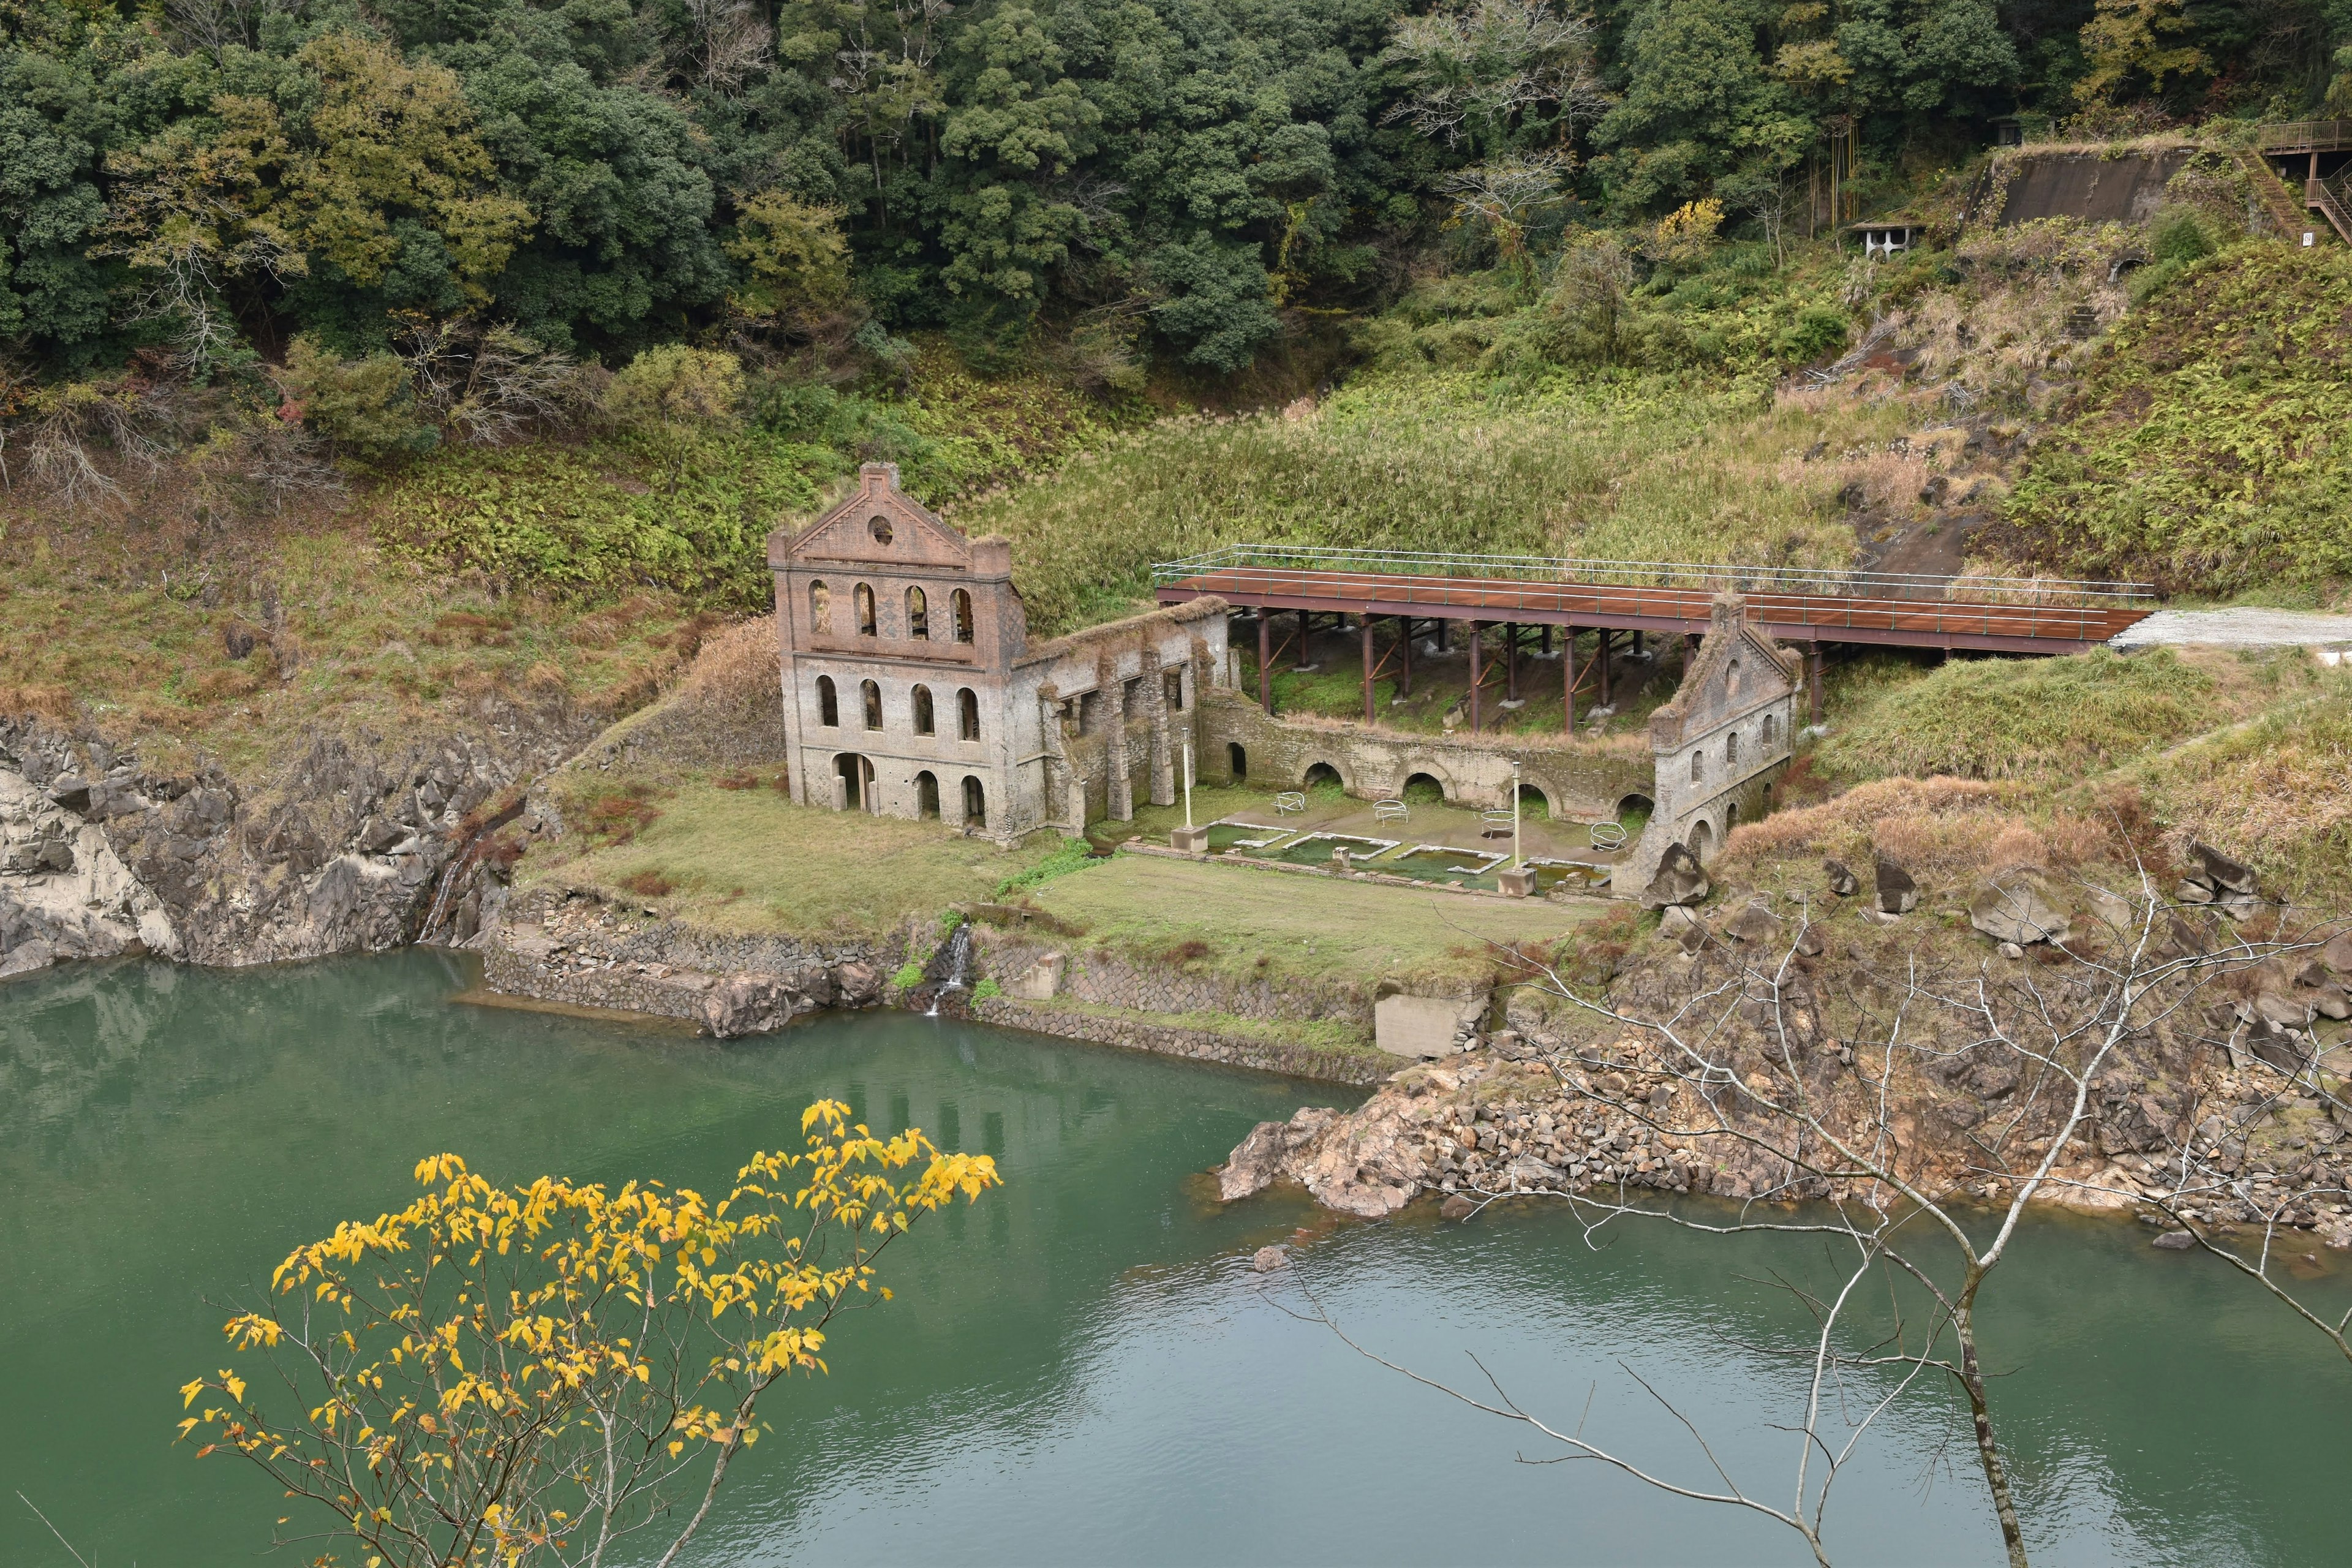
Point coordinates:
[(2238, 628)]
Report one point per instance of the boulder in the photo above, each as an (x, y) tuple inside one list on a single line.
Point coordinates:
[(1456, 1207), (1755, 925), (70, 790), (2192, 891), (746, 1005), (1680, 881), (1256, 1160), (1266, 1259), (1808, 942), (1842, 881), (1897, 893), (2175, 1241), (857, 984), (2286, 1012), (2337, 956), (2112, 910), (2220, 872), (26, 957), (2269, 1044), (2019, 907)]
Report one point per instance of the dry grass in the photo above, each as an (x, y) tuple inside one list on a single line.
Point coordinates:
[(1946, 830), (335, 640), (2275, 791)]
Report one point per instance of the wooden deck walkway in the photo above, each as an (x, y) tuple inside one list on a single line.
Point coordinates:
[(2013, 616)]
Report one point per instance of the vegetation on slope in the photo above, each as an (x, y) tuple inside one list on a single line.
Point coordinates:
[(2207, 449)]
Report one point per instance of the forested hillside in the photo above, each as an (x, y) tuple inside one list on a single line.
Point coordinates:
[(476, 185)]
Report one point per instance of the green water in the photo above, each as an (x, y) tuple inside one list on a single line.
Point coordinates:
[(1083, 1369)]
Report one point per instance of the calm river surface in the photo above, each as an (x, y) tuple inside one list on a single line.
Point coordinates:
[(1083, 1369)]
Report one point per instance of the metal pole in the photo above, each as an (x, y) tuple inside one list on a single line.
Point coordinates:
[(1404, 626), (1188, 785), (1366, 622), (1511, 662)]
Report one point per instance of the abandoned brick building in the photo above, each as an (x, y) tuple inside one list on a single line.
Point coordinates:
[(910, 689)]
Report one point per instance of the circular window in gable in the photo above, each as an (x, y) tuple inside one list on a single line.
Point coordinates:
[(881, 528)]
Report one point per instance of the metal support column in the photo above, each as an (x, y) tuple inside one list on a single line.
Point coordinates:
[(1813, 683), (1603, 656), (1265, 659), (1404, 647), (1474, 629), (1366, 623), (1511, 662), (1567, 679)]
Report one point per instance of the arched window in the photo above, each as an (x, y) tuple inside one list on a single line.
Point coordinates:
[(959, 603), (820, 608), (924, 723), (919, 614), (873, 695), (865, 611), (828, 704), (1767, 732), (927, 795), (1731, 750), (975, 803), (1698, 768), (967, 715)]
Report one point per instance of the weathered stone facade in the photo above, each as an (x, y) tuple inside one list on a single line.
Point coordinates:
[(1578, 780), (1720, 746), (910, 690)]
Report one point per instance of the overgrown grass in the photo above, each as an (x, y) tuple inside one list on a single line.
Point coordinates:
[(2211, 447), (2020, 717), (2055, 718), (751, 861), (1248, 922), (1645, 470)]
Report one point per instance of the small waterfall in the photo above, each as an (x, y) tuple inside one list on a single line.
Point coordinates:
[(467, 856), (950, 968)]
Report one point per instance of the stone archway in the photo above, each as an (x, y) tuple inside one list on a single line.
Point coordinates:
[(1702, 841), (1423, 787), (1319, 773)]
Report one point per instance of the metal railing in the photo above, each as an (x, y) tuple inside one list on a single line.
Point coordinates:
[(2305, 136), (2333, 198), (1251, 559)]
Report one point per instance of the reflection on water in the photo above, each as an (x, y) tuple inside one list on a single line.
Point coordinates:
[(1082, 1369)]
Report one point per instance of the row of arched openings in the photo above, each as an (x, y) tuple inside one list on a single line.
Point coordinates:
[(918, 612), (858, 781), (869, 703)]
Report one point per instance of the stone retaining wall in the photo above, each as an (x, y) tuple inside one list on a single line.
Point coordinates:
[(1103, 979), (1579, 780), (1363, 1068)]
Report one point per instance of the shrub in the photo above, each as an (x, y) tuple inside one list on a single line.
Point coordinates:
[(367, 408), (1817, 331), (648, 883), (675, 388)]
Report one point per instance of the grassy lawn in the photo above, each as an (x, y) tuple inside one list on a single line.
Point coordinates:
[(1252, 919), (749, 861)]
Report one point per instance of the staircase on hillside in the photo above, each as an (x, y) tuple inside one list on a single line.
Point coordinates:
[(2330, 196), (2272, 192)]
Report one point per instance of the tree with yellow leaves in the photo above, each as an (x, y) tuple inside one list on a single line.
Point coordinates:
[(537, 1374)]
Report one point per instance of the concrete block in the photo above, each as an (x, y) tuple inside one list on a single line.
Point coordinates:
[(1041, 982), (1422, 1026), (1190, 840), (1518, 884)]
